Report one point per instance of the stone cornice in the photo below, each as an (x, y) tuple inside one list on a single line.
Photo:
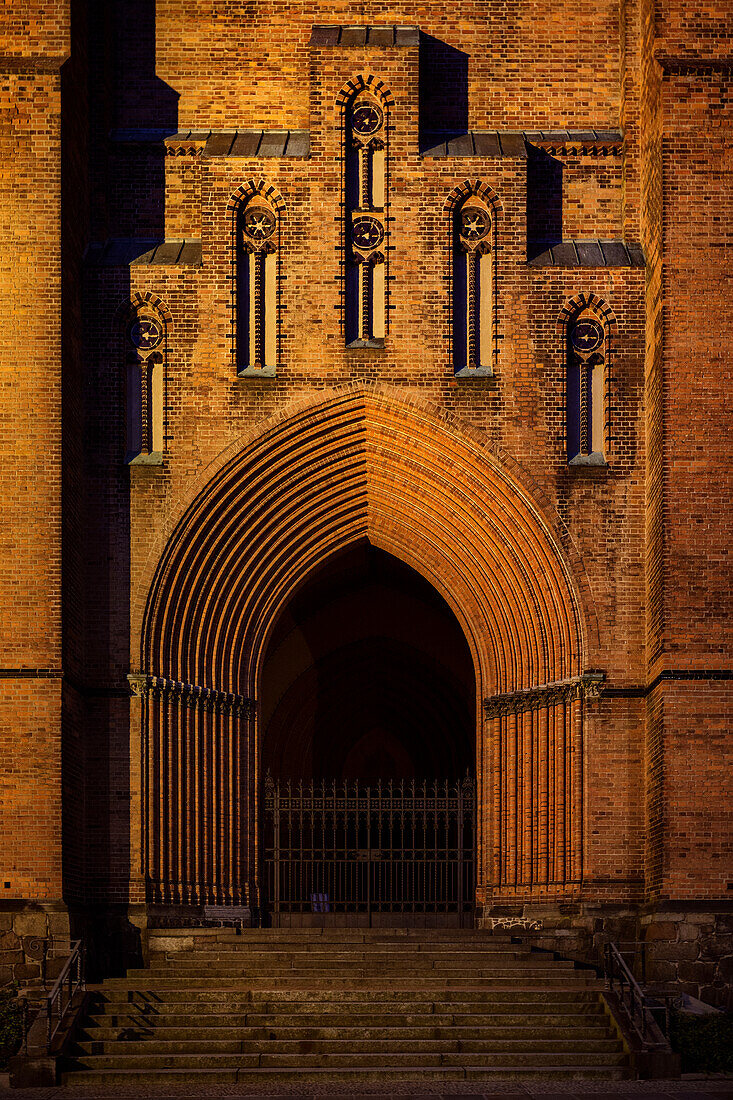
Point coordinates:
[(587, 686), (32, 63), (192, 695)]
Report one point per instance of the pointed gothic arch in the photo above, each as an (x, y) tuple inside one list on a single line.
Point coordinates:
[(363, 464)]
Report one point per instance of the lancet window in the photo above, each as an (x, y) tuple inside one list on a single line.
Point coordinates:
[(256, 247), (144, 385), (366, 200), (586, 355), (473, 287)]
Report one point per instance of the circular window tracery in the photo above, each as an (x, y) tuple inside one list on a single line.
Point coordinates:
[(145, 333), (366, 119), (367, 233), (259, 224), (475, 223), (586, 335)]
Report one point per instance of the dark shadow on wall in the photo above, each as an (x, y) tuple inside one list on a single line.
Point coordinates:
[(544, 201), (113, 188), (443, 89)]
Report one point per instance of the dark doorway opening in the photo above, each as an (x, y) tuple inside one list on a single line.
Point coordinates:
[(368, 676), (368, 709)]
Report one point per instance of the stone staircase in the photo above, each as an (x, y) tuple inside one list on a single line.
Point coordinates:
[(321, 1006)]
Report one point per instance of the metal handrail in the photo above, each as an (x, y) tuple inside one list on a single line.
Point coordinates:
[(70, 981), (632, 998)]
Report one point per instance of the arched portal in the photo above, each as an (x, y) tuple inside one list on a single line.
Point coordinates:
[(361, 465), (367, 711), (367, 676)]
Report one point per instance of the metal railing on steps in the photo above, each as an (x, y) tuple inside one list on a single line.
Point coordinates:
[(53, 1006), (69, 983), (644, 1014)]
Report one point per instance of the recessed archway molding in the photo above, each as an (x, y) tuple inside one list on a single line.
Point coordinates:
[(361, 463)]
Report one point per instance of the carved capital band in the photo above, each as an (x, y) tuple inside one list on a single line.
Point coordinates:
[(588, 686), (138, 682), (192, 695)]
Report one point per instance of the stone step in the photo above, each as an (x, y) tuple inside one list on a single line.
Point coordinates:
[(358, 958), (356, 1032), (359, 954), (340, 954), (321, 932), (256, 1000), (355, 982), (304, 1060), (344, 950), (386, 1046), (210, 1021), (323, 973), (200, 1080), (310, 1005)]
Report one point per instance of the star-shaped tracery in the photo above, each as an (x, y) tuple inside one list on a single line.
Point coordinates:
[(474, 224), (259, 224)]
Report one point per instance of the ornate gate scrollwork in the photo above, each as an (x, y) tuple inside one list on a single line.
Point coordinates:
[(360, 850)]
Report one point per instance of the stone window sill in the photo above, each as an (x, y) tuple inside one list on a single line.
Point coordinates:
[(377, 344), (470, 373), (256, 372), (153, 458), (594, 461)]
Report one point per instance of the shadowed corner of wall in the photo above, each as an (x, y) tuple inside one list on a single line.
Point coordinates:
[(443, 91), (113, 54), (544, 201)]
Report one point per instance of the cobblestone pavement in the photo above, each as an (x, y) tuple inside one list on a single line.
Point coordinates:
[(689, 1087)]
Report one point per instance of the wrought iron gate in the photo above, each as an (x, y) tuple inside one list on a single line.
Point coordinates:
[(393, 852)]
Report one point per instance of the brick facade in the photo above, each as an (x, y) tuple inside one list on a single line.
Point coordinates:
[(126, 133)]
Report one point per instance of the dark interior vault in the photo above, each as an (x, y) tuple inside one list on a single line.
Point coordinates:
[(368, 675)]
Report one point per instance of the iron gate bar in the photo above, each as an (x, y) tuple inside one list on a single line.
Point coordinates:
[(402, 847)]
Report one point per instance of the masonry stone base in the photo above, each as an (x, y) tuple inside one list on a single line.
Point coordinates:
[(676, 948), (24, 928)]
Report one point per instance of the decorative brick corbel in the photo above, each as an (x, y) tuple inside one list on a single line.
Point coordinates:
[(139, 683), (592, 684)]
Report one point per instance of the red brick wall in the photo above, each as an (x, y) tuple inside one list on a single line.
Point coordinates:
[(30, 788), (527, 66), (648, 535), (33, 41), (521, 409)]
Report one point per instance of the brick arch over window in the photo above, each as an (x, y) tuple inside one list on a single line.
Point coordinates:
[(364, 83), (364, 464), (478, 187), (256, 187), (141, 301)]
